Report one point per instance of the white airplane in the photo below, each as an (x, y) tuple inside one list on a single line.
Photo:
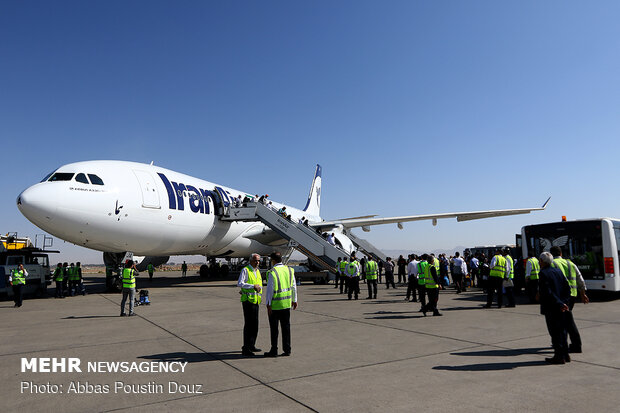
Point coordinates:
[(118, 207)]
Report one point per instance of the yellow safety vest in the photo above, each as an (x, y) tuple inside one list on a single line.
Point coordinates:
[(499, 269), (512, 267), (18, 277), (58, 276), (371, 270), (421, 272), (535, 268), (569, 272), (343, 266), (282, 287), (129, 279), (250, 294), (353, 268), (428, 278)]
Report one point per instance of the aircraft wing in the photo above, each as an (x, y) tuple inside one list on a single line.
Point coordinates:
[(365, 222)]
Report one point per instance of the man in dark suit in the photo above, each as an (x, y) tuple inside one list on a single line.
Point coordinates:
[(554, 298)]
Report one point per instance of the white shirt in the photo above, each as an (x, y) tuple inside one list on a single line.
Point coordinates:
[(474, 263), (242, 282), (459, 262), (268, 295), (331, 240), (412, 268)]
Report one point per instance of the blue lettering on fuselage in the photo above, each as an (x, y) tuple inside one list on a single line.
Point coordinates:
[(198, 198)]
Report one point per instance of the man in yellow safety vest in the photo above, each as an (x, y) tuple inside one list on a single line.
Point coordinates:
[(251, 284), (129, 286), (280, 297)]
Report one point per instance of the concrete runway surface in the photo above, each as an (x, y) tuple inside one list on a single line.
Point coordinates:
[(357, 356)]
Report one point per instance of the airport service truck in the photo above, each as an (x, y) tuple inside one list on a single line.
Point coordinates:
[(16, 250)]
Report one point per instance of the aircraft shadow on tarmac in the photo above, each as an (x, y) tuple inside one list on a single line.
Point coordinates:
[(394, 315), (72, 317), (498, 353)]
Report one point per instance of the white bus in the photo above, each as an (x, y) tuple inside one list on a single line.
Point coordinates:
[(592, 244)]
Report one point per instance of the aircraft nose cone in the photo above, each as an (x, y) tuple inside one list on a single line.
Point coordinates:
[(35, 205)]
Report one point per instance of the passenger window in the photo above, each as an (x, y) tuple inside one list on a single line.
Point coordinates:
[(95, 179), (61, 176), (82, 178)]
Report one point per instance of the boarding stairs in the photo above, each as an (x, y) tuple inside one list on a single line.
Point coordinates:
[(302, 238), (366, 247)]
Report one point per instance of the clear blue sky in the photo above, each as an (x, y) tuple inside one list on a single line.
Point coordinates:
[(409, 106)]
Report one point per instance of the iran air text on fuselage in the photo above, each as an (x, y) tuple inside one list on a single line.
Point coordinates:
[(198, 197)]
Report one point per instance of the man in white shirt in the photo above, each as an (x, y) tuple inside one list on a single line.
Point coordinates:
[(331, 239), (459, 269), (280, 297), (412, 274)]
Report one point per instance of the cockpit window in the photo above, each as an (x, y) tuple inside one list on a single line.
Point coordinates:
[(95, 179), (61, 176), (82, 178), (47, 176)]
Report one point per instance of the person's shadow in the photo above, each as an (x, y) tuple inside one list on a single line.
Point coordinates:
[(498, 353)]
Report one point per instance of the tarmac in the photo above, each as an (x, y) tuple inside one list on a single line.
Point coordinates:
[(347, 356)]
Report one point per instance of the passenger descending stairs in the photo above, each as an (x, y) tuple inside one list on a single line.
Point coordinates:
[(304, 239)]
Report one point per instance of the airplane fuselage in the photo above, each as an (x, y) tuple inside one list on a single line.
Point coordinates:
[(142, 208)]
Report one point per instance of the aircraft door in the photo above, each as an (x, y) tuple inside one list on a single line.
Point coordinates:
[(150, 195)]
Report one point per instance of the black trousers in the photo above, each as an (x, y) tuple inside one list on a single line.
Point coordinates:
[(18, 294), (412, 286), (389, 279), (372, 288), (556, 325), (401, 276), (250, 326), (458, 281), (284, 318), (422, 294), (495, 284), (433, 298), (344, 281), (354, 287), (510, 294), (571, 327), (59, 292), (532, 290)]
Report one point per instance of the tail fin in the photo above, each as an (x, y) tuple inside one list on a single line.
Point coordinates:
[(313, 206)]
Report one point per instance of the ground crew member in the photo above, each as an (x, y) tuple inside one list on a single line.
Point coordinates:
[(577, 287), (184, 269), (532, 269), (343, 276), (280, 296), (496, 278), (372, 273), (510, 271), (251, 284), (65, 278), (437, 265), (422, 281), (129, 286), (353, 271), (74, 279), (151, 270), (80, 280), (58, 275), (337, 280), (18, 279), (431, 278)]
